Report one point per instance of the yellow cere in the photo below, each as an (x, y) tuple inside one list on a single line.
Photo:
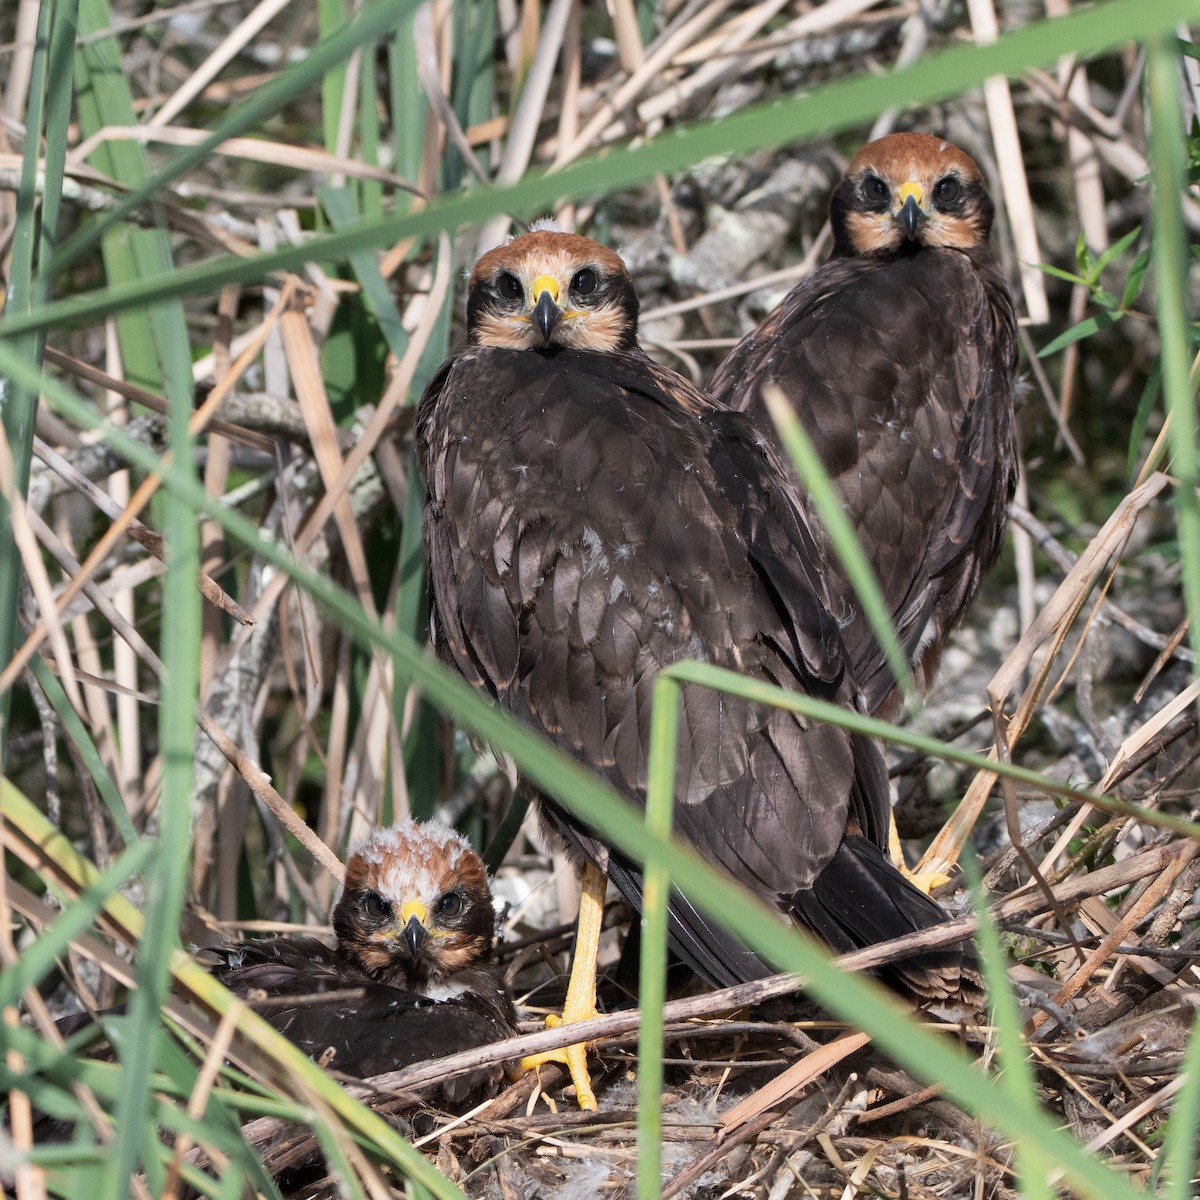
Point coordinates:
[(413, 908), (912, 189), (545, 283)]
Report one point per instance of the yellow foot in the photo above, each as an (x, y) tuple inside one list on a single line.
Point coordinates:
[(574, 1058), (581, 990), (925, 880)]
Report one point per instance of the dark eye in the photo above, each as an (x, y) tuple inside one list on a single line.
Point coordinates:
[(947, 190), (450, 905), (874, 188), (585, 281), (509, 286), (376, 907)]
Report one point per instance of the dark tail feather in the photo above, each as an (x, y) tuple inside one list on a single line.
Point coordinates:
[(861, 899)]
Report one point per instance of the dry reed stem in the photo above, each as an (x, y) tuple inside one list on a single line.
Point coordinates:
[(1014, 185), (247, 29), (278, 154), (799, 1075)]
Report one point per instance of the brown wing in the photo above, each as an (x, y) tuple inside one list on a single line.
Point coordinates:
[(583, 533), (902, 372), (343, 1018)]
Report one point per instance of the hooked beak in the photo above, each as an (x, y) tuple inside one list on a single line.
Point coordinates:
[(414, 934), (546, 314), (911, 214)]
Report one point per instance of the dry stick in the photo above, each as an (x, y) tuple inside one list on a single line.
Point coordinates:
[(1153, 894), (110, 537), (103, 603), (1012, 822), (798, 1075), (298, 158), (664, 101), (127, 748), (1128, 749), (1023, 551), (348, 110), (148, 539), (1132, 746), (1089, 201), (571, 74), (216, 482), (751, 1130), (35, 909), (1098, 1107), (396, 392), (30, 1179), (251, 772), (630, 50), (20, 69), (1047, 393), (1064, 560), (746, 1133), (1014, 184), (913, 42), (219, 230), (1108, 137), (245, 32), (647, 76), (129, 391), (301, 352), (1174, 642), (1135, 1115), (260, 784)]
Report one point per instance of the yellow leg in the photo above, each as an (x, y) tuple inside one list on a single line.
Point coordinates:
[(581, 990), (925, 880), (947, 845)]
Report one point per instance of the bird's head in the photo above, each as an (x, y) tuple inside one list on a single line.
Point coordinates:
[(416, 908), (548, 289), (908, 190)]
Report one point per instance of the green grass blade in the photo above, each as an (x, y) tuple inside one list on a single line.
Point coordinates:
[(156, 354), (1170, 266), (167, 881), (1179, 1152), (130, 255), (1016, 1072), (339, 206), (48, 103), (656, 891)]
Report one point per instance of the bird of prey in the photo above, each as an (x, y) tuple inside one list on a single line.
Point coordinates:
[(411, 977), (591, 518), (899, 357)]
